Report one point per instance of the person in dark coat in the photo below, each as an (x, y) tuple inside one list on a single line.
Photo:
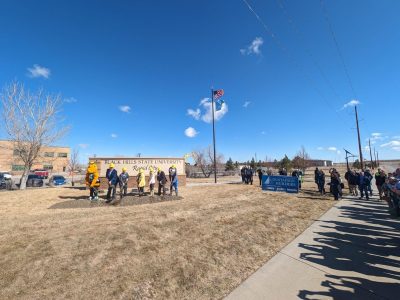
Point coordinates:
[(380, 179), (335, 185), (112, 177), (260, 174), (363, 185), (316, 174), (321, 181), (242, 173), (162, 181)]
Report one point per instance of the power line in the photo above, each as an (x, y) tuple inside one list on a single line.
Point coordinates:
[(325, 13), (307, 49), (283, 48)]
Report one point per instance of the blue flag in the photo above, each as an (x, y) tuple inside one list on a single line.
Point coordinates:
[(218, 104)]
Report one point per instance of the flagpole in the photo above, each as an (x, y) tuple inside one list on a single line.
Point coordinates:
[(215, 161)]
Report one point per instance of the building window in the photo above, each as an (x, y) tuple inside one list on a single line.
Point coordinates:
[(17, 167), (48, 167), (49, 154), (61, 154)]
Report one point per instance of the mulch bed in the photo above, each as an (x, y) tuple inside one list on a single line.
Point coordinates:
[(128, 200)]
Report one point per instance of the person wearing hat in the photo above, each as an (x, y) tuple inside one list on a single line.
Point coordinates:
[(141, 181), (173, 175), (123, 182), (162, 181), (112, 177), (93, 181), (152, 181)]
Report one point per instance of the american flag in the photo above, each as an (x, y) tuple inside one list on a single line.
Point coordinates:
[(218, 94)]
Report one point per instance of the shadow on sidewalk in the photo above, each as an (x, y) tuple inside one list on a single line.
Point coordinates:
[(369, 246)]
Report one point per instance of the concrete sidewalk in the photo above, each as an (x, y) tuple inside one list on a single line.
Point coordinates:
[(351, 252)]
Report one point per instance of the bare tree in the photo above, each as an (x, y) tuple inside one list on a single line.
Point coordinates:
[(31, 121), (301, 160), (73, 164), (204, 159)]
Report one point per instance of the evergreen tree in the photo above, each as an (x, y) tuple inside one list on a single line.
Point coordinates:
[(253, 163), (229, 165), (285, 163)]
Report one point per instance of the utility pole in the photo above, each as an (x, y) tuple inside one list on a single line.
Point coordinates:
[(213, 123), (359, 140), (377, 157), (376, 163), (370, 153)]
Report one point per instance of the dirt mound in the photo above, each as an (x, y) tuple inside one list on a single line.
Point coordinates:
[(125, 201)]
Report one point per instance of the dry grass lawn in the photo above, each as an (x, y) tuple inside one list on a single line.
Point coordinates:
[(200, 247)]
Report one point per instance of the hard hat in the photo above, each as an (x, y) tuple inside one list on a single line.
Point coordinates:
[(151, 169), (141, 170), (91, 162), (111, 165), (158, 169), (173, 166), (123, 169)]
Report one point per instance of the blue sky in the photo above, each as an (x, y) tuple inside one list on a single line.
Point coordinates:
[(131, 70)]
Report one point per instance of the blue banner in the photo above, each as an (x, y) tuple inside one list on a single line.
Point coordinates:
[(288, 184)]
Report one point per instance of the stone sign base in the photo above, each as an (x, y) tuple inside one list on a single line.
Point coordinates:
[(132, 182)]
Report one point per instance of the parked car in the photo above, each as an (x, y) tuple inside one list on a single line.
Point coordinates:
[(41, 173), (6, 175), (3, 183), (57, 180), (6, 181), (34, 181)]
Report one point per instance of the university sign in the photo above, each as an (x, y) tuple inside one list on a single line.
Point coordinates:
[(134, 164), (288, 184)]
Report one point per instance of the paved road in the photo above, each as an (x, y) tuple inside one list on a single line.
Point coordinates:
[(351, 252)]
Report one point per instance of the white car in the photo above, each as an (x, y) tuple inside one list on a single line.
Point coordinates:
[(6, 175)]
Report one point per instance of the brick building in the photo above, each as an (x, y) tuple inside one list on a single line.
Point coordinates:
[(54, 159)]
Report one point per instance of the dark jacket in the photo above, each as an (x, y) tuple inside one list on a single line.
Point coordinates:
[(380, 179), (112, 176), (161, 178)]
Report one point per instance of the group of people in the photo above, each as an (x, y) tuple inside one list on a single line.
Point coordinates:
[(114, 180), (335, 185), (388, 186), (360, 185), (359, 181), (247, 175)]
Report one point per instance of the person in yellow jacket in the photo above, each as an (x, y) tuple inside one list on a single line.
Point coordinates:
[(141, 181), (93, 181)]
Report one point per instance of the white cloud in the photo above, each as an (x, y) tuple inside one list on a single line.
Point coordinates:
[(113, 135), (38, 71), (191, 132), (263, 132), (125, 108), (376, 134), (396, 148), (254, 47), (83, 146), (194, 113), (391, 144), (70, 100), (246, 103), (207, 116), (320, 148), (351, 103), (338, 152), (332, 149)]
